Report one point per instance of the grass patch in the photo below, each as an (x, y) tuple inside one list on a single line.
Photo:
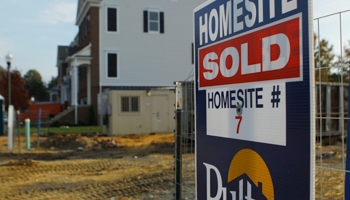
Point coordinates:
[(57, 130)]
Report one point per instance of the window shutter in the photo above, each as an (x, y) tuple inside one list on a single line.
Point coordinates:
[(192, 50), (145, 21), (116, 20), (161, 14)]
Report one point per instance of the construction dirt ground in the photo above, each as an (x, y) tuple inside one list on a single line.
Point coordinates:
[(122, 167), (81, 167)]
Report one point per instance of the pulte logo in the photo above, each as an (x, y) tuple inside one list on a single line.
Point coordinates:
[(248, 179), (269, 53)]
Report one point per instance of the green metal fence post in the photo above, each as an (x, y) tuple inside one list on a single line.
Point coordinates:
[(27, 121)]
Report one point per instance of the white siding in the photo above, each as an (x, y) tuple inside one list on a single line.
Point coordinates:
[(147, 59)]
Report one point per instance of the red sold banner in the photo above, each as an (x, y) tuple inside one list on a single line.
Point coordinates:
[(272, 53)]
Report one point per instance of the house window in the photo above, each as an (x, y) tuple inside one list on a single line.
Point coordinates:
[(153, 21), (112, 65), (130, 104), (82, 73), (112, 19), (83, 28), (80, 34), (88, 23)]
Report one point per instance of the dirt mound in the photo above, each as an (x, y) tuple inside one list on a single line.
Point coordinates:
[(79, 142), (69, 141), (27, 162), (133, 136), (145, 141)]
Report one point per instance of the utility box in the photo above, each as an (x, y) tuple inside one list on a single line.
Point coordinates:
[(140, 111)]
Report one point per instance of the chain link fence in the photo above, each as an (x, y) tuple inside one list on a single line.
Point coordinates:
[(331, 46), (185, 141), (332, 61), (39, 125)]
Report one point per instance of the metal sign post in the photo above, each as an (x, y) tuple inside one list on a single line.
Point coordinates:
[(2, 115), (10, 122), (27, 129), (39, 126), (254, 94)]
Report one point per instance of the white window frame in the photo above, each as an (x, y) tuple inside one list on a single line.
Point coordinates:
[(149, 21), (118, 59), (117, 21)]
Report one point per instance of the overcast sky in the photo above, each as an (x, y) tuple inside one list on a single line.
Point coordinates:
[(32, 30)]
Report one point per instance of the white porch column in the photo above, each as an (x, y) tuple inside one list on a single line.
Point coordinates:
[(89, 85), (72, 86), (75, 74), (63, 95)]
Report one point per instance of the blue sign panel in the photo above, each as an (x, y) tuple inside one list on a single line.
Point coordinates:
[(347, 175), (254, 88)]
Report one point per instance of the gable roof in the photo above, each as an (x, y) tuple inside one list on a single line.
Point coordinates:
[(73, 50), (62, 54), (82, 8), (80, 5)]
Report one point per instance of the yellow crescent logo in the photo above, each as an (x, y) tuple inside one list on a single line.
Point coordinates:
[(250, 162)]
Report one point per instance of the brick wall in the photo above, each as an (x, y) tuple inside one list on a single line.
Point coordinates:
[(83, 115), (95, 62), (93, 38)]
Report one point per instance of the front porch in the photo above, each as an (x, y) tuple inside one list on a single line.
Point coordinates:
[(79, 63), (68, 115)]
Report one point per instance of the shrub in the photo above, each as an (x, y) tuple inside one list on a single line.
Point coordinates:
[(66, 123), (92, 118), (81, 123), (55, 123)]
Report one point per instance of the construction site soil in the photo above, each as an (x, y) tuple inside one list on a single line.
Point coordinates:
[(80, 167), (125, 167)]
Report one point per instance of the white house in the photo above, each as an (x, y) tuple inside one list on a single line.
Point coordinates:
[(143, 45)]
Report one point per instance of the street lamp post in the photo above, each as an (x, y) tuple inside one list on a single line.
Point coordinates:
[(8, 58)]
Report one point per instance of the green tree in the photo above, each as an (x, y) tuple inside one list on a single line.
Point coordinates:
[(346, 63), (323, 60), (2, 71), (52, 83), (342, 66), (35, 86), (19, 95), (347, 52)]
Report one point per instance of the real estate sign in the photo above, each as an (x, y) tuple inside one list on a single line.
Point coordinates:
[(254, 88)]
